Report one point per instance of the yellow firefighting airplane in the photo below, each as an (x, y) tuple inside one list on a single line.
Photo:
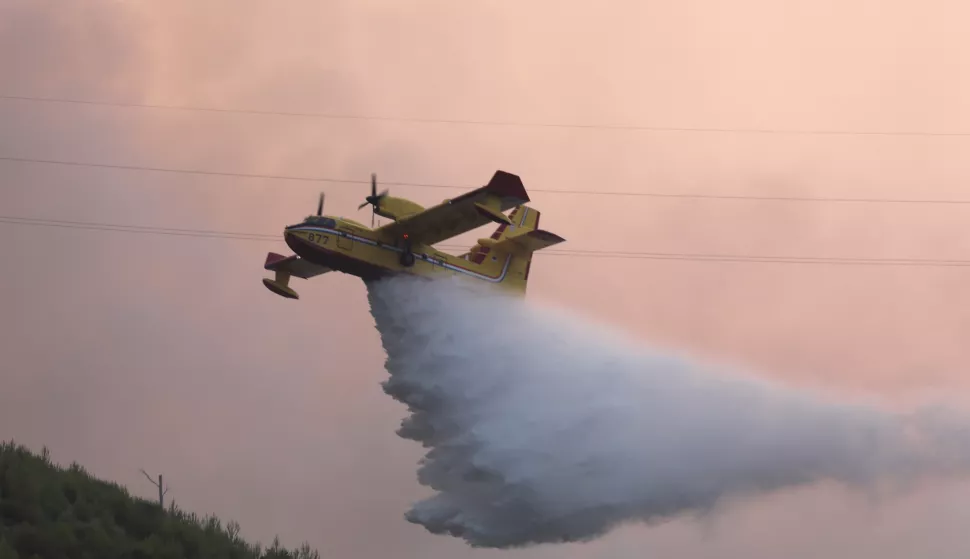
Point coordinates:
[(405, 246)]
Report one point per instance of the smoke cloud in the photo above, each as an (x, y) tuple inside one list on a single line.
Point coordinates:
[(543, 428)]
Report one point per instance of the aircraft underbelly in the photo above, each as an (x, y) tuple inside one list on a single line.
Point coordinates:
[(340, 258)]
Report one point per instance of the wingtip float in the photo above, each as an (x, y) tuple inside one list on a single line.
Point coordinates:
[(323, 243)]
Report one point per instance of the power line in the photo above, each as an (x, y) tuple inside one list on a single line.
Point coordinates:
[(17, 220), (298, 178), (472, 122), (696, 257)]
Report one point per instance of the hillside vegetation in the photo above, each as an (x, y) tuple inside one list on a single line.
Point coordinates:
[(47, 511)]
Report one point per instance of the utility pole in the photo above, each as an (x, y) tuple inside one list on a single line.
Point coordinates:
[(162, 490)]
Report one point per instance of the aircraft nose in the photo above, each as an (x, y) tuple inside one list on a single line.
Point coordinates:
[(291, 239)]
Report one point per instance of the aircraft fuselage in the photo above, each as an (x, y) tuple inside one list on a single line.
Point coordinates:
[(347, 247)]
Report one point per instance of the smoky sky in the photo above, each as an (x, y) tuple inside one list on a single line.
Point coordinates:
[(127, 351)]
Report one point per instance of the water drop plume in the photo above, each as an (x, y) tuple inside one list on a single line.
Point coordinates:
[(543, 427)]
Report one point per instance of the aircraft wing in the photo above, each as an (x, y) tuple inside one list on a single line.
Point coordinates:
[(462, 214), (294, 266)]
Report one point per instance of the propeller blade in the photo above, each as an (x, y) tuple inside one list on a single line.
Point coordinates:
[(374, 199), (320, 205)]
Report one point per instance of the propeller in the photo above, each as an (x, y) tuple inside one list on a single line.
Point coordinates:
[(374, 199), (320, 205)]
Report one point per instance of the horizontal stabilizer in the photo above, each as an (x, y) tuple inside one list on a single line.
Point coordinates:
[(294, 266), (527, 243)]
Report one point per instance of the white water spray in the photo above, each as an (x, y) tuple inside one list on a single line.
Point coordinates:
[(541, 429)]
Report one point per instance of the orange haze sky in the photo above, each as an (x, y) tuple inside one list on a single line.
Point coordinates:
[(125, 351)]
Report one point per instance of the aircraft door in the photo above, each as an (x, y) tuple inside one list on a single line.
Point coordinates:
[(344, 242)]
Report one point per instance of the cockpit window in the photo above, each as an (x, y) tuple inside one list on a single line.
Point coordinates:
[(321, 221)]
